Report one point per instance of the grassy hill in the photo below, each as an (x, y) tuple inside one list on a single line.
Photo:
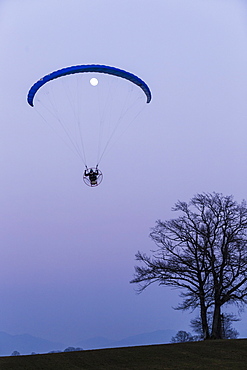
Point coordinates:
[(212, 355)]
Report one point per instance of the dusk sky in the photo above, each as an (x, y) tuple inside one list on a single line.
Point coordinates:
[(67, 250)]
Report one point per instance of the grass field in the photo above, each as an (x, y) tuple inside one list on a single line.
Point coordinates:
[(212, 355)]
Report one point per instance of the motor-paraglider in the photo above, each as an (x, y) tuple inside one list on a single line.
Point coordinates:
[(89, 117), (92, 176)]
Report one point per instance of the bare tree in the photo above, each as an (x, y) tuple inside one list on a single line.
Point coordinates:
[(183, 336), (204, 253)]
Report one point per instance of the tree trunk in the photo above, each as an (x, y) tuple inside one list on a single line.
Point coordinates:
[(217, 327), (204, 320)]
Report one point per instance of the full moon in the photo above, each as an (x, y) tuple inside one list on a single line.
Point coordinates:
[(94, 81)]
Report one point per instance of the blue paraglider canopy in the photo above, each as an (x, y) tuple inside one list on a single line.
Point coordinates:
[(89, 68)]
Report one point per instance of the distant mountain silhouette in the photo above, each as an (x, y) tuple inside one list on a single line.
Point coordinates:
[(155, 337), (26, 344)]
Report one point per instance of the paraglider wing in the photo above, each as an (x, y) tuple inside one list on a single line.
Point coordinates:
[(89, 68)]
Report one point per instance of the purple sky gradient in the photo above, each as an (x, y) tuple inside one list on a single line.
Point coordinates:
[(67, 251)]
